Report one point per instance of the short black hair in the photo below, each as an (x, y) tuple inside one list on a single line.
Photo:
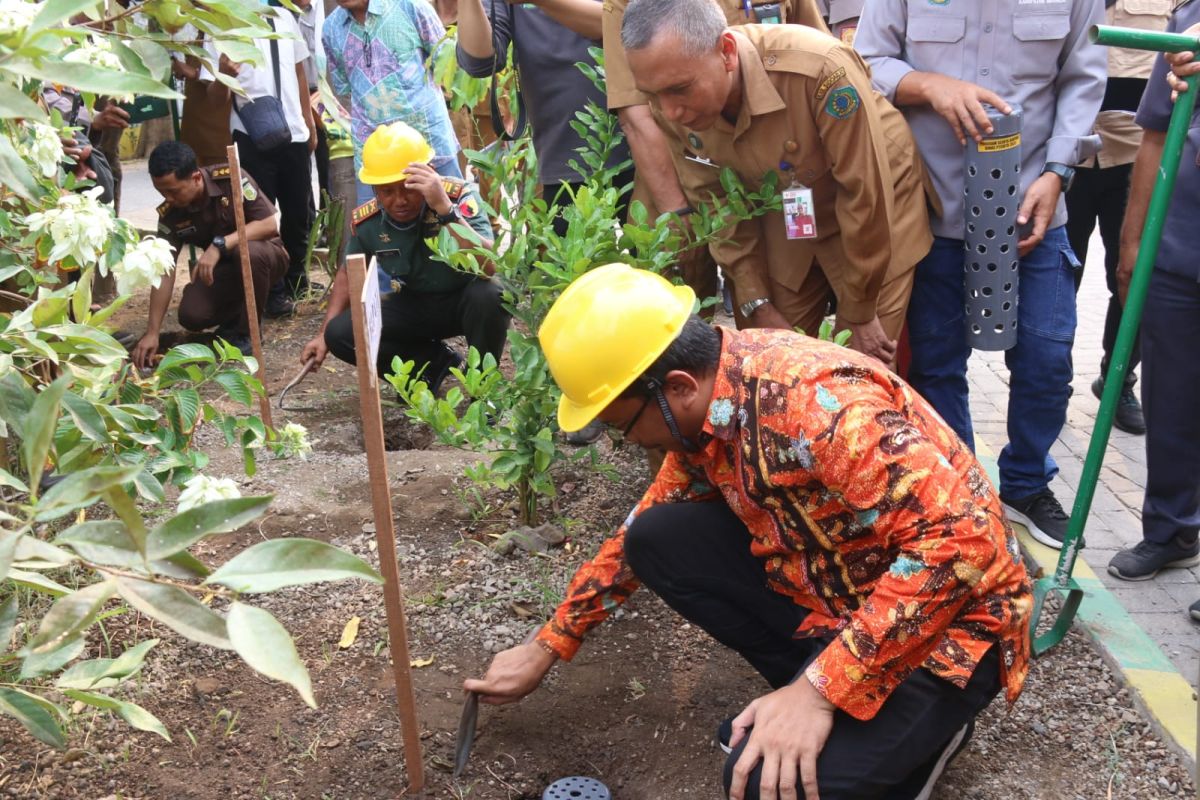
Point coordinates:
[(696, 350), (174, 158)]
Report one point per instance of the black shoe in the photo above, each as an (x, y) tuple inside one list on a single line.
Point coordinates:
[(585, 435), (1042, 515), (1129, 416), (1194, 610), (278, 305), (1146, 559), (725, 731), (437, 370)]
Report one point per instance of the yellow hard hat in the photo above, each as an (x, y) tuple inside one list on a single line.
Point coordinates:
[(604, 331), (389, 150)]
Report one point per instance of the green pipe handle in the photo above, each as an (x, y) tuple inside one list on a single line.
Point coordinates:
[(1134, 39)]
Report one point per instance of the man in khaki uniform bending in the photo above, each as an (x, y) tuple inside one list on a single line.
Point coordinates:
[(791, 100), (656, 184)]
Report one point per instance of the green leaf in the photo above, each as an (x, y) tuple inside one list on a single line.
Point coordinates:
[(33, 716), (58, 13), (132, 713), (185, 529), (236, 387), (103, 542), (14, 172), (8, 549), (81, 489), (36, 665), (39, 427), (185, 354), (100, 673), (39, 583), (270, 565), (188, 401), (33, 553), (267, 647), (86, 417), (10, 480), (92, 78), (124, 507), (8, 618), (69, 617), (176, 609), (15, 103)]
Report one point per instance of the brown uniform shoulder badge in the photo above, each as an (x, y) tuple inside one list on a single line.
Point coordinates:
[(221, 172), (364, 212), (454, 187)]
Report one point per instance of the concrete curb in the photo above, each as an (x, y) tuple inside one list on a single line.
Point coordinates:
[(1164, 695)]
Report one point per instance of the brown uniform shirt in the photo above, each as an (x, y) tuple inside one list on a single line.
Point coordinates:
[(807, 102), (619, 80), (213, 215)]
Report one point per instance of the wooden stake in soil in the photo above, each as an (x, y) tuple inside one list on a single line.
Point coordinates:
[(239, 215), (364, 311)]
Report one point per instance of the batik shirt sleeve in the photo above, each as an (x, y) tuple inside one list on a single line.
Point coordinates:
[(602, 584)]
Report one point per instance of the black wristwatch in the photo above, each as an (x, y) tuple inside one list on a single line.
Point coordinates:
[(1065, 174), (219, 243), (450, 216)]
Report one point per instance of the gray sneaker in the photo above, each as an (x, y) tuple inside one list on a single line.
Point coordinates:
[(1194, 610), (1146, 559)]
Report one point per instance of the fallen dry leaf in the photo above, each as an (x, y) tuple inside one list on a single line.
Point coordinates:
[(421, 662), (349, 633)]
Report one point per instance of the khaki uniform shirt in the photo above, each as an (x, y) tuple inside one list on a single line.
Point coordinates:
[(214, 214), (807, 100), (1120, 136), (619, 80)]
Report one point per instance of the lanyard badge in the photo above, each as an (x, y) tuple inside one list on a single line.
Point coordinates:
[(799, 218)]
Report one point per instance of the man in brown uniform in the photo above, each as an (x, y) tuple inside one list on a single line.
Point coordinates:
[(199, 211), (794, 101), (657, 186)]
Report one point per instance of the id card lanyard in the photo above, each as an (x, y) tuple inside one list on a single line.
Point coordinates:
[(799, 217)]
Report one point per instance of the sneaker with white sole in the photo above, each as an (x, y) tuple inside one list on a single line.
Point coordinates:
[(1146, 559), (1041, 514)]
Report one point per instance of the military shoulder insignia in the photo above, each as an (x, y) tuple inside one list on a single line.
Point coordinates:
[(163, 208), (842, 102), (221, 172), (248, 190), (468, 206), (454, 187), (364, 212)]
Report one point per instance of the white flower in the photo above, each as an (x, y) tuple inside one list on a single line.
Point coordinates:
[(292, 441), (80, 226), (15, 15), (144, 265), (202, 489), (96, 53), (41, 145)]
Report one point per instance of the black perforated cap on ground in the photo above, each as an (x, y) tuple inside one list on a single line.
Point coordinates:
[(577, 789)]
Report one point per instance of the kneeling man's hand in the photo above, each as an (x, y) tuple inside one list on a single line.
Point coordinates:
[(790, 728), (426, 180), (513, 673), (316, 349)]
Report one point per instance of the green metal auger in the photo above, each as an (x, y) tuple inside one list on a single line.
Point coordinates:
[(1131, 318)]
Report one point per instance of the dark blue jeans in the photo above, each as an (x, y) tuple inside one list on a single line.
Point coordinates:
[(1170, 386), (1039, 365)]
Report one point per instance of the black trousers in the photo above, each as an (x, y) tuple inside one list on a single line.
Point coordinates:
[(285, 177), (1100, 195), (415, 323), (1170, 386), (696, 557), (224, 303)]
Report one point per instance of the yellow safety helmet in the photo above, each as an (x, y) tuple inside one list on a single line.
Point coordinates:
[(604, 331), (389, 150)]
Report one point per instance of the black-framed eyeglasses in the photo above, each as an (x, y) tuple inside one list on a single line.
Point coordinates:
[(619, 438)]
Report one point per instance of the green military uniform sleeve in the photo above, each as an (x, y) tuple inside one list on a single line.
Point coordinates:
[(471, 210)]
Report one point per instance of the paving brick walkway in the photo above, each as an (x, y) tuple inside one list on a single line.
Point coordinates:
[(1159, 606)]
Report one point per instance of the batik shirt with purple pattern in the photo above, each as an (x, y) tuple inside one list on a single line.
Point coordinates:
[(380, 64)]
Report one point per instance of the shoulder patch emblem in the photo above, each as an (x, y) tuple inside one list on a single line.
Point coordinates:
[(248, 190), (220, 172), (468, 207), (364, 212), (842, 102), (163, 208), (829, 83), (454, 187)]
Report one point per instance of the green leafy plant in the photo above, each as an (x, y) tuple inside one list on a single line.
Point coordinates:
[(513, 416)]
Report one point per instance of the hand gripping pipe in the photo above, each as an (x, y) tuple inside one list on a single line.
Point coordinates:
[(1131, 318)]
